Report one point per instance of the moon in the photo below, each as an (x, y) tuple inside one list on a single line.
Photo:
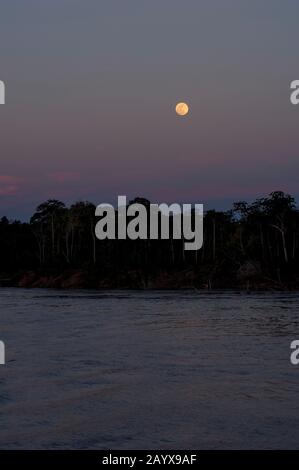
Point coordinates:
[(182, 109)]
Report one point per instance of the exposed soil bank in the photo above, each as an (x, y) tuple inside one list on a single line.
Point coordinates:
[(134, 279)]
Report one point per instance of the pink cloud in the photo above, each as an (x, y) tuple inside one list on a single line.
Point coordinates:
[(9, 185), (64, 176)]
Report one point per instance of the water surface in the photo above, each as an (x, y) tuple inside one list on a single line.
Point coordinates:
[(148, 370)]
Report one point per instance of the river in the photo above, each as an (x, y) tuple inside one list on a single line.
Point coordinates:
[(148, 370)]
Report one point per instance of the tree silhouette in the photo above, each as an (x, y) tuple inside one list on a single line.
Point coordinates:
[(254, 243)]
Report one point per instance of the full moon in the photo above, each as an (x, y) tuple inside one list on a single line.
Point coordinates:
[(182, 109)]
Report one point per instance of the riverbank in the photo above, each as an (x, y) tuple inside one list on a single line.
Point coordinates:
[(135, 279)]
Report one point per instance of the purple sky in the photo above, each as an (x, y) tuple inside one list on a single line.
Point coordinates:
[(91, 88)]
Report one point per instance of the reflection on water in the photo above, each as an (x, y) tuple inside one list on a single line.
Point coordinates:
[(159, 370)]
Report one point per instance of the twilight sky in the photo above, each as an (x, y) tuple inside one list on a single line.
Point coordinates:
[(91, 88)]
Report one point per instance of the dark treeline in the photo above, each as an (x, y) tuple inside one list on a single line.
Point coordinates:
[(251, 246)]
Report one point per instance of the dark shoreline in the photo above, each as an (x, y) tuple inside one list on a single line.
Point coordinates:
[(138, 280), (252, 247)]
